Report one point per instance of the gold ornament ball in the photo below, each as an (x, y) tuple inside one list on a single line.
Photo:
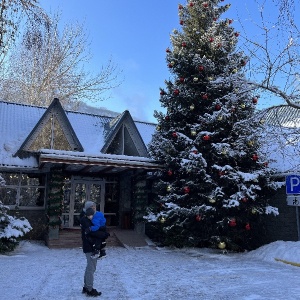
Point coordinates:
[(195, 79), (222, 245), (212, 200), (169, 188), (192, 107), (158, 128), (243, 105)]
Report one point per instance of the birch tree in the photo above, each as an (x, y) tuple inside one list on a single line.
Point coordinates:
[(12, 12), (49, 63)]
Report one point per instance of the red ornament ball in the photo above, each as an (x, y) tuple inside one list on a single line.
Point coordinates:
[(181, 22), (201, 68), (198, 218), (244, 199), (191, 4), (236, 34), (205, 97), (211, 39), (162, 93), (232, 222), (176, 92), (254, 100), (255, 157), (247, 227), (170, 172), (168, 50), (186, 189), (167, 118), (217, 107), (180, 6), (206, 137), (183, 44), (174, 134)]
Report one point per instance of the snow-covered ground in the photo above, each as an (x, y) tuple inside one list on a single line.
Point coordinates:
[(35, 272)]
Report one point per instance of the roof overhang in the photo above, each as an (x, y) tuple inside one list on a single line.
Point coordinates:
[(77, 161)]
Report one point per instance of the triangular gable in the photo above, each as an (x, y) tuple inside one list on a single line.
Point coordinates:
[(53, 131), (124, 138)]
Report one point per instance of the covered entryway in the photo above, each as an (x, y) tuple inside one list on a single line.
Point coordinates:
[(76, 192)]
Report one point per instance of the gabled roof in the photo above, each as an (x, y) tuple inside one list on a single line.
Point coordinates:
[(122, 130), (56, 111), (19, 124)]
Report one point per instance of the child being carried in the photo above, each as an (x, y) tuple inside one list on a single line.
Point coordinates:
[(97, 234)]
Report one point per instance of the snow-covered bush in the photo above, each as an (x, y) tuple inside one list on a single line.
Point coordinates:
[(11, 228)]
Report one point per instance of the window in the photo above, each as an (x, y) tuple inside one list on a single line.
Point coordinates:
[(23, 190)]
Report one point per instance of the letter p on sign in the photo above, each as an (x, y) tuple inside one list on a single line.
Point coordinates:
[(293, 184)]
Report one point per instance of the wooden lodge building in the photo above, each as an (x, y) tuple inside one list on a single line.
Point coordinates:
[(54, 160)]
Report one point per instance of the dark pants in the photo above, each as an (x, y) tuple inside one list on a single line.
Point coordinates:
[(98, 237)]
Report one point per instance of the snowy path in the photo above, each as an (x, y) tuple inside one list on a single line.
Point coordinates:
[(34, 272)]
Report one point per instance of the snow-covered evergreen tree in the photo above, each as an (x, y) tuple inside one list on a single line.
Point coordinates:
[(215, 187), (11, 228)]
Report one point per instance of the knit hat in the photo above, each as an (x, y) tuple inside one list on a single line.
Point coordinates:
[(88, 204), (89, 212)]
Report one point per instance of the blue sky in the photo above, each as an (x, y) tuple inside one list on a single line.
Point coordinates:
[(135, 34)]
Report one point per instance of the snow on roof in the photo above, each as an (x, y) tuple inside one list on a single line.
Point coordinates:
[(18, 120)]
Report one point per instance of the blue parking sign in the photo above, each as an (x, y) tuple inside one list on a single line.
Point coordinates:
[(292, 184)]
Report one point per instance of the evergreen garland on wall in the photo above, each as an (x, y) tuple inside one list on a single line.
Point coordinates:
[(55, 198)]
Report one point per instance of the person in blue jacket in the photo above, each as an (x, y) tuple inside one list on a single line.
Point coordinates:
[(97, 233)]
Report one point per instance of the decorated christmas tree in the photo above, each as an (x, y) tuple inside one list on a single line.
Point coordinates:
[(215, 187)]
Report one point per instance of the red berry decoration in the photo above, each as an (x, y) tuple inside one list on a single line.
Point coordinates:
[(170, 173), (230, 21), (236, 34), (181, 22), (205, 97), (211, 39), (201, 68), (183, 44), (247, 227), (174, 135), (168, 50), (205, 4), (191, 4), (255, 157), (198, 218), (217, 107), (206, 137), (176, 92), (186, 189), (170, 65), (181, 79)]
